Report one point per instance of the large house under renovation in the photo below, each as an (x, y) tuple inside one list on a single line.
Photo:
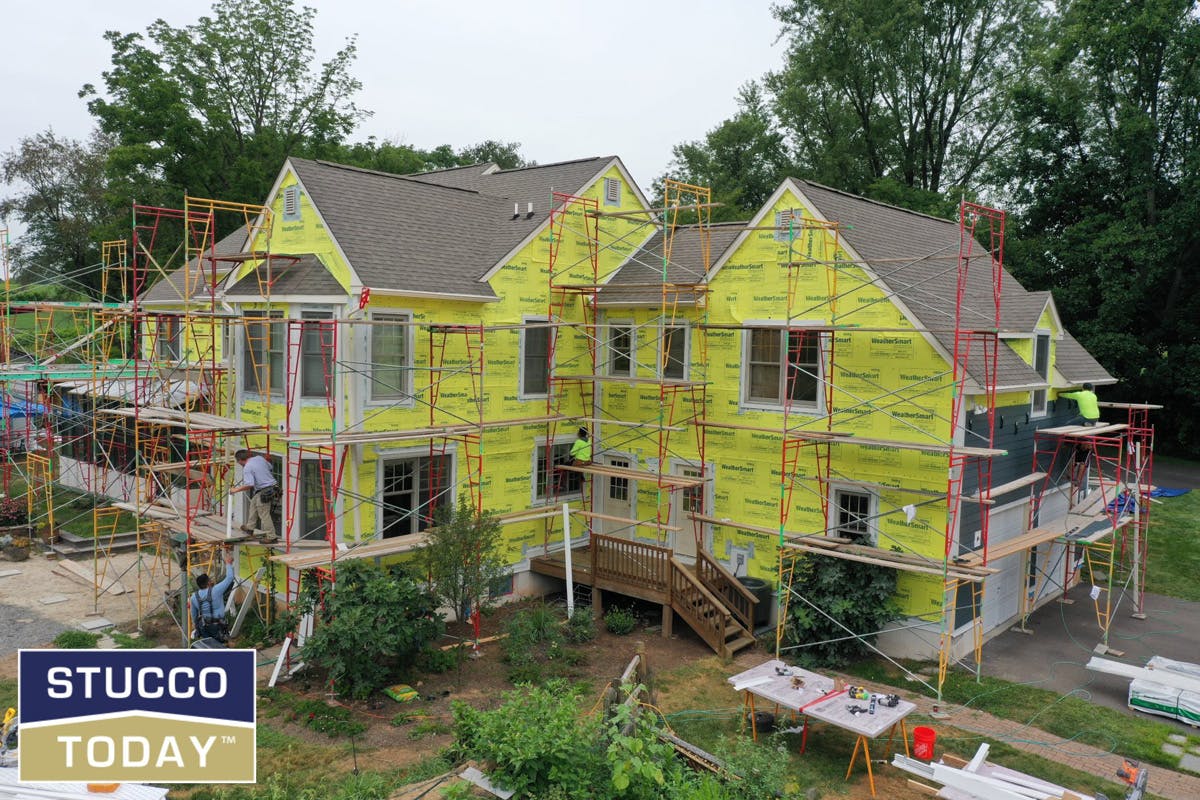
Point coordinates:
[(832, 378)]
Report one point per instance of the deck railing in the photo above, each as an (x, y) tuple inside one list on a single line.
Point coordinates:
[(728, 589), (634, 563)]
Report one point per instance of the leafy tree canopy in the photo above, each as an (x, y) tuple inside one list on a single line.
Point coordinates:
[(61, 194), (214, 107), (1106, 177)]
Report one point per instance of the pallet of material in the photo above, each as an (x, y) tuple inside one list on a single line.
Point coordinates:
[(1164, 687)]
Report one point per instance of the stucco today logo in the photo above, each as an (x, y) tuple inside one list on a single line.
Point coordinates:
[(177, 716)]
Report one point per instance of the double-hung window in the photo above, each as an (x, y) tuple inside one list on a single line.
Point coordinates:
[(317, 356), (782, 364), (263, 353), (168, 340), (673, 359), (550, 480), (535, 358), (1041, 363), (390, 359), (620, 350)]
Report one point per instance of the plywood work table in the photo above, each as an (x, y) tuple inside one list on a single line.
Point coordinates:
[(766, 682)]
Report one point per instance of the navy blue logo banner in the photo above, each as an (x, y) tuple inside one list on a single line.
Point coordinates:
[(137, 715)]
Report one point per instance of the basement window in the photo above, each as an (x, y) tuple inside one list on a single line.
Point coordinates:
[(852, 511), (612, 192)]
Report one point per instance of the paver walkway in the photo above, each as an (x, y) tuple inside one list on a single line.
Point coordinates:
[(1085, 758), (1094, 761)]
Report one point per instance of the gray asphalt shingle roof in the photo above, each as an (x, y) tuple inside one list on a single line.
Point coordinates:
[(687, 264), (1076, 364), (916, 256), (306, 276), (170, 288), (415, 233)]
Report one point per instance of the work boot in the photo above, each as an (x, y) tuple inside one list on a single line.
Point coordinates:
[(247, 529)]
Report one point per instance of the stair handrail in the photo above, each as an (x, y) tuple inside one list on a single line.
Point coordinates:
[(737, 598), (718, 628)]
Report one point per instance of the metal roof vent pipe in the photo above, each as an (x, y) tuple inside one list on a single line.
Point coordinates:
[(529, 211), (516, 210)]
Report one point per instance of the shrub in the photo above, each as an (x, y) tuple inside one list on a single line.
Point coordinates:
[(620, 621), (536, 739), (13, 511), (462, 557), (534, 647), (436, 660), (370, 627), (858, 596), (76, 640), (581, 627), (327, 719)]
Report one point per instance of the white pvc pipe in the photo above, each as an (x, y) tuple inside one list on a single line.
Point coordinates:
[(566, 509)]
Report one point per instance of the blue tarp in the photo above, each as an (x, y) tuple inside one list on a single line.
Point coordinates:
[(12, 408), (1164, 492)]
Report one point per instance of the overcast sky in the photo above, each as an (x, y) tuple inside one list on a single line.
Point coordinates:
[(567, 79)]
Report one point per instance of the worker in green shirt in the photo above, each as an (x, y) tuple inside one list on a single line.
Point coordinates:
[(1089, 405), (581, 450)]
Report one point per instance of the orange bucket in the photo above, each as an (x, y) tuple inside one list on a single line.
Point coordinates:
[(924, 740)]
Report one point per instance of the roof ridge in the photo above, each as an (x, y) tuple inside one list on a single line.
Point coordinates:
[(553, 164), (395, 176), (854, 196), (451, 169)]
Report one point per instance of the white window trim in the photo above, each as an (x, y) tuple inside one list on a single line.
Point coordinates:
[(273, 396), (608, 349), (409, 354), (402, 454), (521, 394), (831, 524), (1034, 411), (538, 444), (816, 410), (660, 340), (298, 330), (298, 522)]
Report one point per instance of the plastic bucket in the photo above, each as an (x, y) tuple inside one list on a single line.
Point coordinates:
[(924, 740)]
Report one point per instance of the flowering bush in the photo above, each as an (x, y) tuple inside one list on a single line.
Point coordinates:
[(13, 512)]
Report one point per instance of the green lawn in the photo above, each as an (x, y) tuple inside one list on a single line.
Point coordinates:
[(1174, 562), (1067, 716)]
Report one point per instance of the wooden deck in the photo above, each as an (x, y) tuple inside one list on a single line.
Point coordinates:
[(705, 595)]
